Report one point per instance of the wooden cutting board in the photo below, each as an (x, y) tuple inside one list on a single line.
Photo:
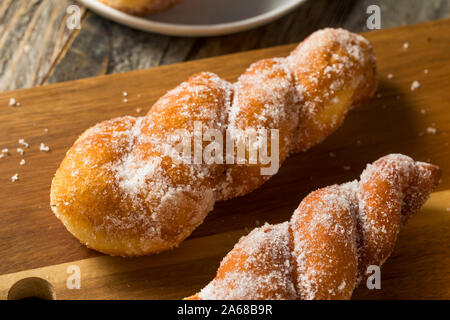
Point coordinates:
[(33, 243)]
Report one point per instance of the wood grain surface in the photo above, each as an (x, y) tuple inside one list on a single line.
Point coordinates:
[(37, 48), (397, 119), (418, 269)]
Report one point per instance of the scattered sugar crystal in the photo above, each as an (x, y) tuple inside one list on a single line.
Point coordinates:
[(425, 71), (431, 130), (23, 143), (415, 85), (406, 45), (125, 94), (22, 162), (13, 102), (15, 177), (20, 151), (5, 150), (390, 76), (44, 148), (342, 286)]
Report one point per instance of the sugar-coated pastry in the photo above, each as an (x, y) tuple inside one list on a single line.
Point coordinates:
[(122, 189), (335, 234), (140, 7)]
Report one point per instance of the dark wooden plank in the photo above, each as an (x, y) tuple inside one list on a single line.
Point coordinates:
[(37, 48), (78, 61), (32, 35)]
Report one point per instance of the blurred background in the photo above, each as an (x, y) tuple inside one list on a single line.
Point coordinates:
[(37, 48)]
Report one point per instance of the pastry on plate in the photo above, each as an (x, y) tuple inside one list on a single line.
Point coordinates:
[(140, 7)]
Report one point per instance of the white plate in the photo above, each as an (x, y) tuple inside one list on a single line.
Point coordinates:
[(202, 17)]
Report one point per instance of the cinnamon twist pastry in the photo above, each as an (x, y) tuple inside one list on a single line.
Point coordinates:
[(334, 235), (122, 188), (140, 7)]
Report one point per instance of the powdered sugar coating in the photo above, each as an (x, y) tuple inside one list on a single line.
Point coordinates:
[(333, 69), (331, 239), (122, 189), (328, 217), (267, 250)]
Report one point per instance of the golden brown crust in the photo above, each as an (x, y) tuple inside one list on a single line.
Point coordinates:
[(336, 232), (328, 98), (121, 191)]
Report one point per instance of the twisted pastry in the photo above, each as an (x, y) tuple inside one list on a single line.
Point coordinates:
[(334, 235), (121, 189), (140, 7)]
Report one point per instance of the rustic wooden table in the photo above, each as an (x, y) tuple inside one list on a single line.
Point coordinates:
[(37, 48)]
